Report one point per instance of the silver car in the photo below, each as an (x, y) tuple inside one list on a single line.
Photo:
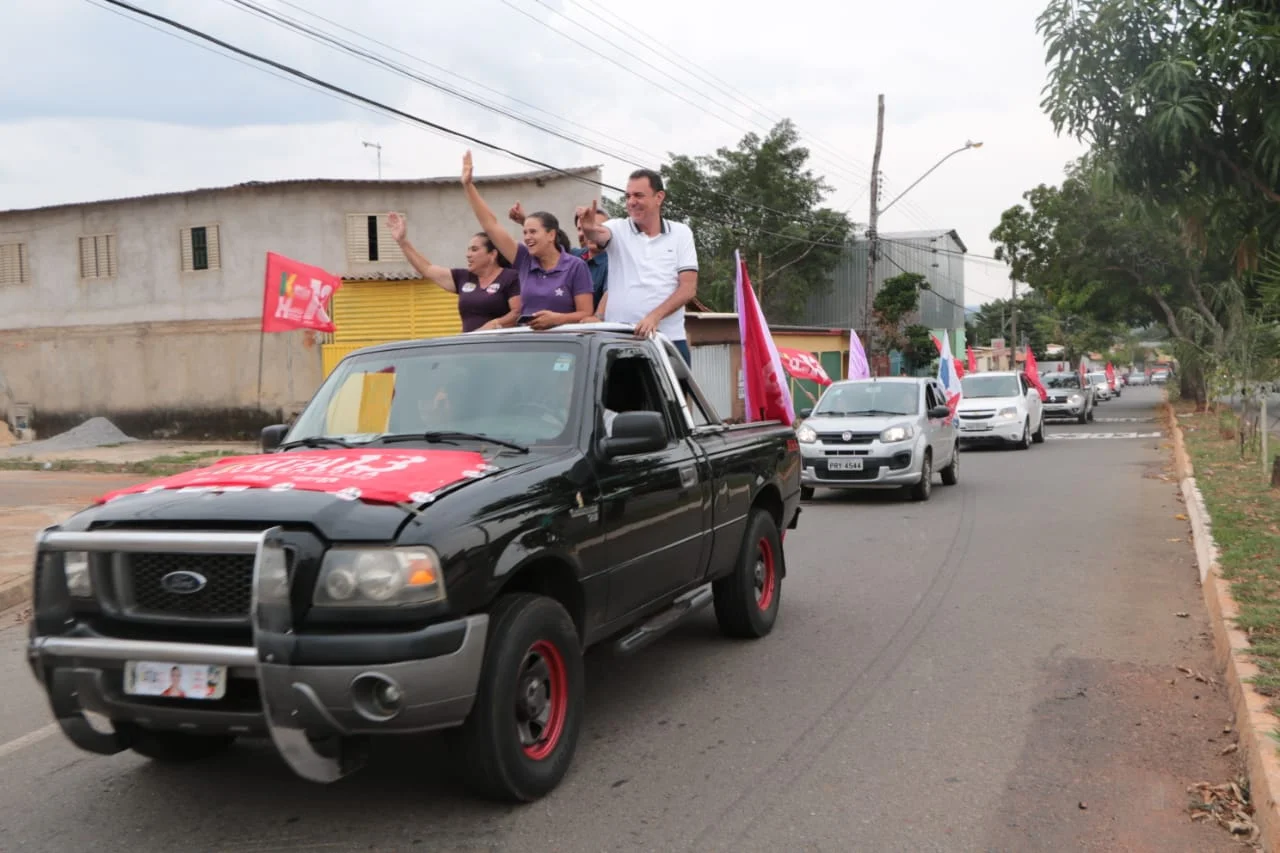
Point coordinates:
[(892, 432), (1067, 397)]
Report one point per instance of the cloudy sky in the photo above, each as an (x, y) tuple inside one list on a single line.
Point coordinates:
[(109, 106)]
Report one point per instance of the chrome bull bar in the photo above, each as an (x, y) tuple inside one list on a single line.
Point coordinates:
[(271, 617)]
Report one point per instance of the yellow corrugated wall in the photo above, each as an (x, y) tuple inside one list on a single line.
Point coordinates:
[(377, 312)]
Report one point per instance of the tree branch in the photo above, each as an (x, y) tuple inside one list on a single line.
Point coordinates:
[(1245, 176)]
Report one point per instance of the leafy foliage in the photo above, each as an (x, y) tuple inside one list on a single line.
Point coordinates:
[(1180, 98), (761, 198), (896, 301)]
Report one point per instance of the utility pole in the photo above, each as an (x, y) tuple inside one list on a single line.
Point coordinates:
[(873, 220), (377, 145), (1013, 307)]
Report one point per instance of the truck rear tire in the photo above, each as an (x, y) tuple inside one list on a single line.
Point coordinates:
[(168, 747), (747, 601), (518, 742)]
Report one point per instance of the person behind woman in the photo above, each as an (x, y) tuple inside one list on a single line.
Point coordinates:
[(488, 289), (555, 286)]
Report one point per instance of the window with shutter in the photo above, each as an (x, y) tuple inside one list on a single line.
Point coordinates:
[(98, 256), (13, 264), (200, 248), (369, 239)]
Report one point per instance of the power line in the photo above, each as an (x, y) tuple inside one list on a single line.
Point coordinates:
[(411, 118)]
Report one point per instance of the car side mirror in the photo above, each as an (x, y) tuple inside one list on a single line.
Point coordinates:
[(635, 432), (272, 436), (940, 412), (806, 412)]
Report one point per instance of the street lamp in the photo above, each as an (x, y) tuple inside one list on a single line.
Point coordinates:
[(967, 145)]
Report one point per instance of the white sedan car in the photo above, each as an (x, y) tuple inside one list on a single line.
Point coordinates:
[(1001, 406)]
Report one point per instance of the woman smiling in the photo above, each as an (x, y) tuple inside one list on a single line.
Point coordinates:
[(555, 286), (488, 289)]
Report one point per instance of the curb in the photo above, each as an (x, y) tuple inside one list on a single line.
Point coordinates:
[(15, 593), (1254, 723)]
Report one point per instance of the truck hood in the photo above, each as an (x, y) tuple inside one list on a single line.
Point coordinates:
[(343, 493)]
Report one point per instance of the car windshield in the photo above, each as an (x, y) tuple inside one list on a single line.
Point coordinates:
[(978, 385), (519, 391), (1061, 380), (869, 398)]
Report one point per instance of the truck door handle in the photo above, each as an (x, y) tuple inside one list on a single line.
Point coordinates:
[(688, 476)]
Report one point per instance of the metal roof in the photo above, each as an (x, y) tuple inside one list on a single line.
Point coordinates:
[(541, 175), (925, 235), (409, 275)]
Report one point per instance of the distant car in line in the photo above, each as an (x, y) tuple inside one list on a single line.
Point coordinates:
[(1068, 398), (1000, 406), (1136, 378)]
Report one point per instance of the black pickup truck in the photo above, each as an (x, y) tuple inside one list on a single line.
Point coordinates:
[(433, 544)]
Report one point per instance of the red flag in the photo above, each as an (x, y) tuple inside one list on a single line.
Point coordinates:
[(764, 380), (296, 296), (973, 362), (1111, 375), (1032, 371), (803, 365)]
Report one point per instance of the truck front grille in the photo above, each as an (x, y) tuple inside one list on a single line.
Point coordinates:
[(226, 594)]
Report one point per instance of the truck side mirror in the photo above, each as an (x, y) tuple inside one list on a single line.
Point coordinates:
[(272, 436), (635, 432)]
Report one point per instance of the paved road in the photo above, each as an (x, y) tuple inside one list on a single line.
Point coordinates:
[(959, 675)]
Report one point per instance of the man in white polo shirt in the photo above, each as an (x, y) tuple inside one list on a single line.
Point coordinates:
[(653, 265)]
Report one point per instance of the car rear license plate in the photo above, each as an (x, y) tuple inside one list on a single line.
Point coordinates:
[(844, 464), (175, 680)]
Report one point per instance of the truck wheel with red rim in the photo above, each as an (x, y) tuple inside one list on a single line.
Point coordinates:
[(520, 738), (746, 601)]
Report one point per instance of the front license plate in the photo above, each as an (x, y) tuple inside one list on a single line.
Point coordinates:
[(175, 680), (844, 464), (975, 427)]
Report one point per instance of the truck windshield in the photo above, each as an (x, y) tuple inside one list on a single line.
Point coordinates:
[(1061, 380), (518, 391), (977, 385), (869, 398)]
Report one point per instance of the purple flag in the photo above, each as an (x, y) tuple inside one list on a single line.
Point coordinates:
[(858, 367)]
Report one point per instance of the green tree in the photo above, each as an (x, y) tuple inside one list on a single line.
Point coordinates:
[(895, 303), (1179, 97), (760, 198)]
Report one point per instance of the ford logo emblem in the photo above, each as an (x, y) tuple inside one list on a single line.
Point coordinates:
[(184, 582), (846, 436)]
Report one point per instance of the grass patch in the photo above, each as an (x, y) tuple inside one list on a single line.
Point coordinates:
[(158, 466), (1245, 514)]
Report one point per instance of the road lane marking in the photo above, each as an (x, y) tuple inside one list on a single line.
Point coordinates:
[(1092, 435), (1125, 420), (27, 740)]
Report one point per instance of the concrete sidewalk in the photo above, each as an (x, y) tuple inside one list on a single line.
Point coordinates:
[(31, 500)]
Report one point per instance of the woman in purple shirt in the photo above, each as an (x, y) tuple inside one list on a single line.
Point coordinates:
[(555, 285), (488, 289)]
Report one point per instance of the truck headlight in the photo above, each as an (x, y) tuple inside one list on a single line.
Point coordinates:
[(75, 565), (901, 432), (1008, 413), (379, 577), (806, 434)]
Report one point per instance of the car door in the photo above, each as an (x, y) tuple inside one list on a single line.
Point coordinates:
[(651, 503), (946, 430), (1032, 398), (932, 425)]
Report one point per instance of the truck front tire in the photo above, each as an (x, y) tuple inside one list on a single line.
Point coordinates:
[(747, 600), (520, 737)]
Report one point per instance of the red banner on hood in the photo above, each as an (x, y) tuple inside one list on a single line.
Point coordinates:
[(376, 476)]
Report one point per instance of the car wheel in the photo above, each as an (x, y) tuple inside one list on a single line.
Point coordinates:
[(1025, 441), (923, 489), (519, 739), (951, 474), (1038, 435), (806, 493), (169, 747), (1084, 416), (747, 600), (1091, 416)]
